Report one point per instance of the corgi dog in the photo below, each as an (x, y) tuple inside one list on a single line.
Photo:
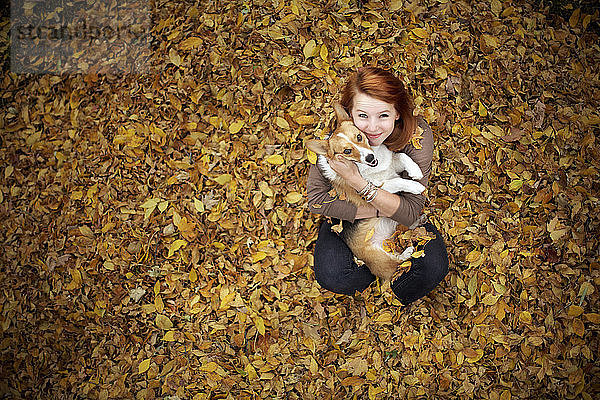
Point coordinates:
[(379, 165)]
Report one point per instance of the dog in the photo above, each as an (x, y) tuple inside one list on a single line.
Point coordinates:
[(379, 165)]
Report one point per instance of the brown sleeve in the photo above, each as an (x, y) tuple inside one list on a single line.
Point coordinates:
[(319, 200), (411, 205)]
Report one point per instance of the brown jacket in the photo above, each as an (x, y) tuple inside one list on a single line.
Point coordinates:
[(411, 205)]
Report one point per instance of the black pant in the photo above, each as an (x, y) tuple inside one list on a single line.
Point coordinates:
[(335, 269)]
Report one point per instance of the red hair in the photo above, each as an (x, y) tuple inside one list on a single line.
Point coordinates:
[(385, 86)]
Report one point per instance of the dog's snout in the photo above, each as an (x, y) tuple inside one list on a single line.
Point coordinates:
[(371, 160)]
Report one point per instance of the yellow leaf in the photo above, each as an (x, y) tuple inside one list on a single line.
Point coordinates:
[(295, 9), (482, 109), (496, 7), (490, 299), (158, 304), (395, 5), (260, 324), (490, 41), (293, 197), (525, 317), (575, 311), (215, 121), (384, 318), (265, 189), (324, 53), (226, 300), (210, 367), (309, 48), (223, 179), (163, 322), (193, 276), (86, 231), (174, 57), (496, 130), (8, 171), (258, 256), (353, 381), (275, 159), (311, 156), (162, 206), (151, 203), (441, 72), (286, 61), (169, 336), (144, 365), (594, 318), (420, 32), (190, 43), (305, 120), (33, 138), (476, 356), (418, 254), (76, 280), (575, 18), (558, 233), (586, 21), (515, 184), (313, 367), (282, 123), (586, 288), (198, 205), (473, 256), (505, 395), (236, 127), (471, 188), (252, 375), (176, 245), (472, 285)]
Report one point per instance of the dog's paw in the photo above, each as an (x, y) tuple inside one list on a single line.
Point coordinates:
[(403, 185), (412, 168), (416, 188), (415, 173), (405, 254)]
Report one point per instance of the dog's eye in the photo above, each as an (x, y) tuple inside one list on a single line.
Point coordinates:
[(347, 151), (359, 138)]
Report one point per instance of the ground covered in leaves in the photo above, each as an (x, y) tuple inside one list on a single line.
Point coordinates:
[(156, 241)]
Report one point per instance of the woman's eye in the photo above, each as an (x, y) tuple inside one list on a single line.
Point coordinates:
[(362, 115), (359, 138), (384, 115), (347, 151)]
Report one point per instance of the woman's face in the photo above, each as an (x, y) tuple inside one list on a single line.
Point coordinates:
[(375, 118)]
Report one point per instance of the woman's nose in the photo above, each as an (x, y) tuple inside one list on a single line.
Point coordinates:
[(372, 126)]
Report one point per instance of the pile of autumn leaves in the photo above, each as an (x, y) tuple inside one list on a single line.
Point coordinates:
[(196, 248)]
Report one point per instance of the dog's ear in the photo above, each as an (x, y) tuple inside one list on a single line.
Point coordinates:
[(340, 113), (318, 146)]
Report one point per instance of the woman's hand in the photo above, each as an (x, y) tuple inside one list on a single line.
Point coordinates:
[(348, 171)]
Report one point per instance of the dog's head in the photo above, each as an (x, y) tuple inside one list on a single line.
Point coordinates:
[(346, 140)]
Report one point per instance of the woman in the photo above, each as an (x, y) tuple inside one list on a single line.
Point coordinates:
[(381, 108)]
